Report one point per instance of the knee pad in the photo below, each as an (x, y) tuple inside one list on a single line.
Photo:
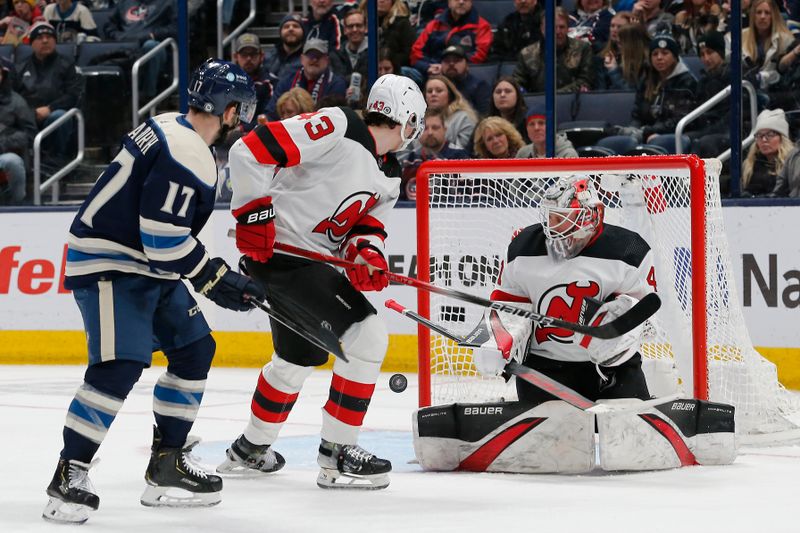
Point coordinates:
[(285, 375), (366, 340), (193, 361), (115, 378)]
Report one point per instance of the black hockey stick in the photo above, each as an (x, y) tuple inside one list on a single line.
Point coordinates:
[(327, 339), (534, 377), (644, 308)]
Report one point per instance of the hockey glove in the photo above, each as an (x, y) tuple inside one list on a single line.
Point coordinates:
[(255, 229), (226, 288), (612, 352), (369, 273)]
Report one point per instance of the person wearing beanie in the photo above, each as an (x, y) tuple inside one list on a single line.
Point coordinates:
[(710, 132), (536, 126), (285, 58), (665, 96), (766, 157)]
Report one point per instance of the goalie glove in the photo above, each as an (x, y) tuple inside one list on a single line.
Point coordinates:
[(226, 288), (612, 352), (369, 273), (255, 228), (508, 340)]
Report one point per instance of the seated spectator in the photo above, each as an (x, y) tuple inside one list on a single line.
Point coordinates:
[(695, 19), (767, 155), (496, 138), (322, 22), (294, 102), (574, 68), (425, 11), (460, 24), (148, 22), (387, 63), (536, 126), (459, 117), (73, 21), (665, 96), (51, 85), (248, 55), (711, 132), (395, 32), (16, 134), (725, 20), (284, 58), (352, 56), (456, 69), (433, 144), (314, 75), (16, 25), (787, 183), (520, 28), (649, 13), (626, 61), (591, 22), (507, 102)]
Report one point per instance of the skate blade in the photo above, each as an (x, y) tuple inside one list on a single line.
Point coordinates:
[(175, 497), (65, 513), (333, 479), (235, 469)]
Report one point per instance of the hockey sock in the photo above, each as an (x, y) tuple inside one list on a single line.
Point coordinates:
[(179, 391), (96, 404), (278, 387)]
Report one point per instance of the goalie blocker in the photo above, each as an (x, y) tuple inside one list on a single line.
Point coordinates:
[(555, 437)]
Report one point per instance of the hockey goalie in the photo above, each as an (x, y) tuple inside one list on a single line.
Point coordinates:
[(574, 267)]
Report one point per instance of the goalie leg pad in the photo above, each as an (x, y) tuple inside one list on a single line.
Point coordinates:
[(552, 437), (676, 433)]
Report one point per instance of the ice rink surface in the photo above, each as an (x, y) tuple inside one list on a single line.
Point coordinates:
[(756, 494)]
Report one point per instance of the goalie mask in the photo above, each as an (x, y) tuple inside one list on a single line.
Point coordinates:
[(572, 214), (400, 99)]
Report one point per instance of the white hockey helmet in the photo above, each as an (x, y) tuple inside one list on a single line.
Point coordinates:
[(400, 99), (572, 214)]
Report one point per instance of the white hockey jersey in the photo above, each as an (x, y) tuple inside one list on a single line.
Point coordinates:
[(323, 175), (618, 261)]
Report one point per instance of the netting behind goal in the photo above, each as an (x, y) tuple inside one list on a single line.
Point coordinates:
[(697, 343)]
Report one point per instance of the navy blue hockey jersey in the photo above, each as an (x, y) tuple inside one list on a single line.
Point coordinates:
[(146, 209)]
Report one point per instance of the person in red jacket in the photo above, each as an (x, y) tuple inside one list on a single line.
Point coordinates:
[(459, 25)]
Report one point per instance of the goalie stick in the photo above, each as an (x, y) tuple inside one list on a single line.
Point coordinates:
[(534, 377), (641, 311), (327, 339)]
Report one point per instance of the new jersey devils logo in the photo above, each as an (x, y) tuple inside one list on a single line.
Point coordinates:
[(564, 302), (349, 212)]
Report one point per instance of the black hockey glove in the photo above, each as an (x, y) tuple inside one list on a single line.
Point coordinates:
[(226, 288)]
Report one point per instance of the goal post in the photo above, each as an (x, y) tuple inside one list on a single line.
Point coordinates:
[(467, 211)]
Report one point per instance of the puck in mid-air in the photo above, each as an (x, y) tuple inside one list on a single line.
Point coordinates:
[(398, 383)]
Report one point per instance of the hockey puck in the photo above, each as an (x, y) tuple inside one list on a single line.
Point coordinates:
[(398, 383)]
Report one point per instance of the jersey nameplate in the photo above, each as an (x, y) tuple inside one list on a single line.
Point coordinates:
[(144, 137)]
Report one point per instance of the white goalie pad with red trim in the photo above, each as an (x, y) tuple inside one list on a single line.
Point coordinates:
[(553, 437), (677, 433)]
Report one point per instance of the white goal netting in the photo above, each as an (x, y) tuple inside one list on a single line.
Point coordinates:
[(469, 215)]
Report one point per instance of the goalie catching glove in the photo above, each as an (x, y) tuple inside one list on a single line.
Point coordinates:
[(369, 272), (507, 339), (255, 228), (226, 288), (612, 352)]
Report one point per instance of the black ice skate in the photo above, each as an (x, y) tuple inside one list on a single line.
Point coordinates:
[(349, 466), (245, 459), (173, 480), (71, 493)]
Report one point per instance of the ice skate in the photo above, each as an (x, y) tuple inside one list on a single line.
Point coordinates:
[(245, 459), (349, 466), (71, 493), (174, 480)]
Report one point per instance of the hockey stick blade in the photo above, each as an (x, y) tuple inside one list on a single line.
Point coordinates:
[(327, 339), (644, 308)]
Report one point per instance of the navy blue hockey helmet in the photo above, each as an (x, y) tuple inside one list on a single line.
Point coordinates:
[(216, 83)]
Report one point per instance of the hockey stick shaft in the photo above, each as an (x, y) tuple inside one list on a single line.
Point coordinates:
[(637, 314), (328, 341), (534, 377)]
